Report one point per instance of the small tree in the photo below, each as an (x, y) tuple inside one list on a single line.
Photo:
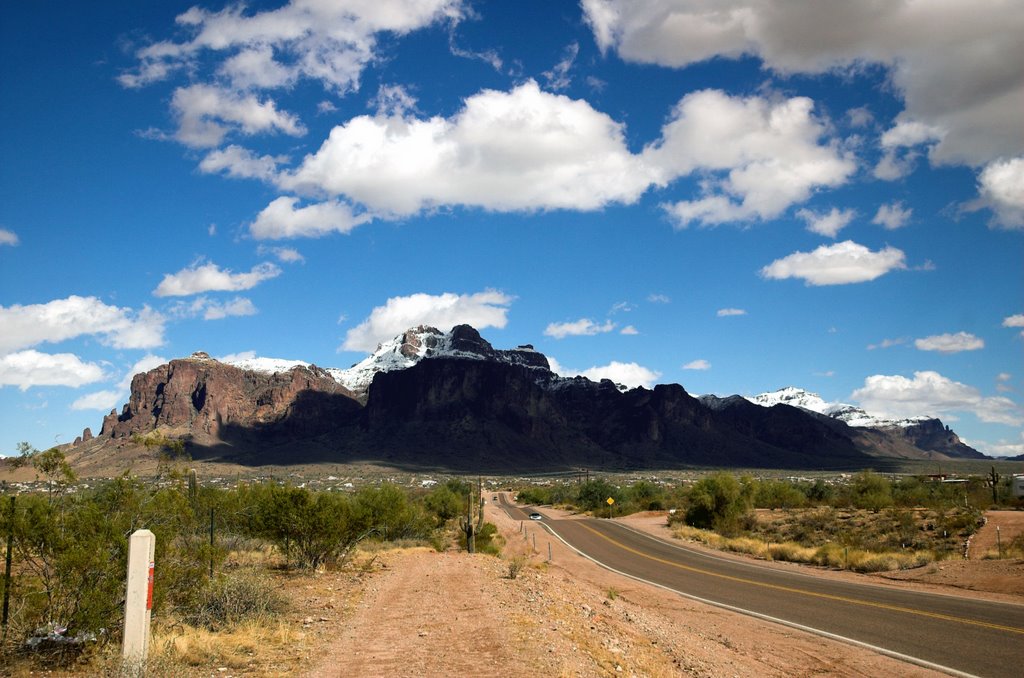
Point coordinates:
[(716, 502)]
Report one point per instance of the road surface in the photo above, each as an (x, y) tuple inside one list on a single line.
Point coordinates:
[(951, 633)]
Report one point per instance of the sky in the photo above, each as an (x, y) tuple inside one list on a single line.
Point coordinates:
[(735, 196)]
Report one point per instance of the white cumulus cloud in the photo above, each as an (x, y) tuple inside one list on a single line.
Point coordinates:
[(200, 278), (627, 374), (892, 216), (26, 369), (699, 364), (520, 150), (75, 316), (827, 223), (840, 264), (969, 96), (207, 114), (931, 394), (1001, 185), (241, 163), (8, 237), (330, 42), (950, 343), (766, 153), (282, 219), (443, 311), (578, 328), (1014, 320)]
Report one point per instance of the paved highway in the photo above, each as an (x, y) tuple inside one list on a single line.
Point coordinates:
[(950, 633)]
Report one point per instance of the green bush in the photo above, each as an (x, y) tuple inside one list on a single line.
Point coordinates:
[(717, 503)]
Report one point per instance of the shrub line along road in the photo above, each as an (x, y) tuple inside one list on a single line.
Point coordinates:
[(949, 633)]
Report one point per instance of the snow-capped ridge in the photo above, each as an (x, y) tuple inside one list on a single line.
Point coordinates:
[(849, 414)]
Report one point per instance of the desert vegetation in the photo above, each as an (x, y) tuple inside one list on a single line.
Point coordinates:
[(220, 554), (864, 522)]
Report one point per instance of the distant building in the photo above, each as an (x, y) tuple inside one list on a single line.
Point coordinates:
[(1017, 486)]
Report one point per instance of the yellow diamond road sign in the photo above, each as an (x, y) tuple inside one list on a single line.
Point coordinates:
[(610, 501)]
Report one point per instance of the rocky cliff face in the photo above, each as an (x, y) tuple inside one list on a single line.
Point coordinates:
[(198, 397)]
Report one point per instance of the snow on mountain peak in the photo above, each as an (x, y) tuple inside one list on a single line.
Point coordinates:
[(850, 414)]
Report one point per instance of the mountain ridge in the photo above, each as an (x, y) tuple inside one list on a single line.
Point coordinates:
[(451, 400)]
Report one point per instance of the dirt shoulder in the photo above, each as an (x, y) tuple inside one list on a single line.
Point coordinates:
[(428, 613)]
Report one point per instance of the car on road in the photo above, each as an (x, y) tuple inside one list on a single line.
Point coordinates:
[(536, 516)]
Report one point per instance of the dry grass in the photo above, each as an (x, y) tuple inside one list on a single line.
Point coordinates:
[(829, 555), (237, 648)]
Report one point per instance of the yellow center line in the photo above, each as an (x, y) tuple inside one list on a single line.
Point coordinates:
[(789, 589)]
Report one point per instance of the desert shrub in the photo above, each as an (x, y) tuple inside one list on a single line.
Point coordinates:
[(594, 494), (444, 503), (312, 527), (870, 491), (228, 600), (716, 502), (515, 565), (387, 513), (775, 494), (487, 540), (644, 495)]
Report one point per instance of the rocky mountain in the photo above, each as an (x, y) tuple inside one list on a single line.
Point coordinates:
[(914, 437), (432, 399)]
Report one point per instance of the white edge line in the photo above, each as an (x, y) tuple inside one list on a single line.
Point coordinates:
[(810, 629)]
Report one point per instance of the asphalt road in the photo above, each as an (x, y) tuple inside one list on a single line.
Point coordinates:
[(952, 633)]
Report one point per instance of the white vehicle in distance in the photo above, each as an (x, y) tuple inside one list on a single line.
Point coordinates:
[(536, 516)]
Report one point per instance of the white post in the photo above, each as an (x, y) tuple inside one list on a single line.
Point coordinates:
[(138, 601)]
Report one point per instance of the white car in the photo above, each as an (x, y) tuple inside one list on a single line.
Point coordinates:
[(536, 516)]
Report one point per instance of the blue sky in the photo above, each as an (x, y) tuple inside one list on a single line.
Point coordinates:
[(821, 194)]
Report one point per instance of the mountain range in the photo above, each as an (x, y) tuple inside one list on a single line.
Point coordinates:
[(450, 400)]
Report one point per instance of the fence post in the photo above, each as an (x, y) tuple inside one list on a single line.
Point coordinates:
[(138, 600)]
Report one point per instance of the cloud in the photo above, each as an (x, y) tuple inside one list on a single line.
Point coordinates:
[(892, 216), (241, 163), (506, 151), (827, 224), (482, 309), (8, 237), (197, 279), (888, 343), (26, 369), (629, 330), (767, 154), (286, 255), (840, 264), (62, 319), (281, 219), (558, 77), (627, 374), (211, 309), (1001, 185), (207, 114), (323, 41), (104, 401), (577, 328), (931, 52), (950, 343), (1014, 320), (931, 394), (110, 398), (729, 312), (700, 364), (659, 299)]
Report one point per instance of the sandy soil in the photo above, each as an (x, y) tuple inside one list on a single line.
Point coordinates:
[(429, 613), (1009, 524)]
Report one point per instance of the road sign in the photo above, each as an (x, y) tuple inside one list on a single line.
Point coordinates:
[(610, 501)]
